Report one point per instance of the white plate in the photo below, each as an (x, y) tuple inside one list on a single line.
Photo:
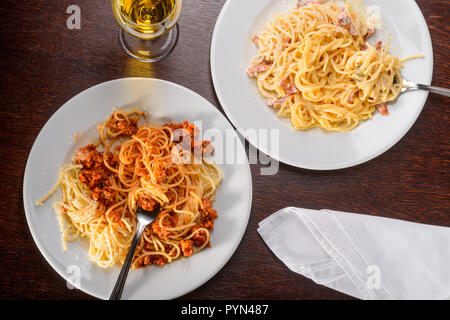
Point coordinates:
[(231, 52), (55, 146)]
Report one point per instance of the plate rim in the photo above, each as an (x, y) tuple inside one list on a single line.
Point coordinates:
[(25, 196), (299, 164)]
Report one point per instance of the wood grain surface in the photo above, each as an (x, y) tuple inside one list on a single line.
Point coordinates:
[(43, 64)]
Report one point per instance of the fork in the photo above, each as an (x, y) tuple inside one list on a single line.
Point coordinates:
[(144, 218), (409, 86)]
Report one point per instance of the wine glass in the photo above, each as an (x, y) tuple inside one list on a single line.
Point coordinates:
[(148, 28)]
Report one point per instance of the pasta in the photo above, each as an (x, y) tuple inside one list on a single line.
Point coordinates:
[(315, 66), (139, 166)]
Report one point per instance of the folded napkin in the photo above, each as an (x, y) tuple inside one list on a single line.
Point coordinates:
[(363, 256)]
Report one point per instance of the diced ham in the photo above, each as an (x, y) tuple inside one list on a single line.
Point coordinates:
[(346, 22), (283, 82), (258, 68), (379, 45), (276, 102), (350, 97), (370, 31), (382, 108), (353, 30), (288, 87)]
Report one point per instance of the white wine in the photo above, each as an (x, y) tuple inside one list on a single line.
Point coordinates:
[(146, 12), (146, 19)]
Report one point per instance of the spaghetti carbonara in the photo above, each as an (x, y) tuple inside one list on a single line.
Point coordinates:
[(315, 66)]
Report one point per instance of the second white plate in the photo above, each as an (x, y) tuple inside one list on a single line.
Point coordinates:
[(231, 52)]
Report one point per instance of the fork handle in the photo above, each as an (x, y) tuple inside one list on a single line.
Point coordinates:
[(118, 287), (438, 90)]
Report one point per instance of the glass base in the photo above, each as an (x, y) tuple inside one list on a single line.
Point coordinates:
[(149, 50)]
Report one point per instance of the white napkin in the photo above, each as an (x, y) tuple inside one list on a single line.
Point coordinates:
[(364, 256)]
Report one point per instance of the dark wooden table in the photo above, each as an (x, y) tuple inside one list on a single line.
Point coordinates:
[(43, 64)]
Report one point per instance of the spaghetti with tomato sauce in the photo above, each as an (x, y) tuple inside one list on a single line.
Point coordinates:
[(139, 166)]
